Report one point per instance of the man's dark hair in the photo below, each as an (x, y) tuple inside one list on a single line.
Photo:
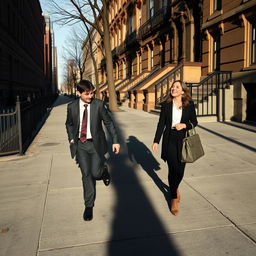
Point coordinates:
[(85, 85)]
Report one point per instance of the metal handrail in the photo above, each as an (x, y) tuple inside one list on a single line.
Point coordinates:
[(167, 77), (174, 70), (121, 82), (210, 76), (145, 79), (206, 94)]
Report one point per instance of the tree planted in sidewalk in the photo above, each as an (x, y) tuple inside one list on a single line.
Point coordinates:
[(93, 13)]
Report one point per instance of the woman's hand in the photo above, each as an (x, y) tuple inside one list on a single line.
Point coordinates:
[(180, 126), (155, 147), (116, 148)]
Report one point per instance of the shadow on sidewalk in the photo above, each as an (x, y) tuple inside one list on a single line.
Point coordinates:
[(62, 100), (136, 227), (140, 154), (228, 138)]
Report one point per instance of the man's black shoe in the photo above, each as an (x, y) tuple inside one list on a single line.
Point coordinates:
[(88, 214), (106, 176)]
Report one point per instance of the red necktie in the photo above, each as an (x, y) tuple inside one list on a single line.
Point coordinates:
[(84, 124)]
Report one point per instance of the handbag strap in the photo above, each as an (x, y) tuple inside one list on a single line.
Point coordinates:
[(192, 131)]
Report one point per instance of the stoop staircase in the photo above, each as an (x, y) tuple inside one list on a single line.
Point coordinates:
[(209, 95)]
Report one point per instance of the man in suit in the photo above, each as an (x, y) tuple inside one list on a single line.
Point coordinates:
[(88, 142)]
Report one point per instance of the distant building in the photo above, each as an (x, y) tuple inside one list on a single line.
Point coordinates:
[(48, 53), (21, 51), (55, 70)]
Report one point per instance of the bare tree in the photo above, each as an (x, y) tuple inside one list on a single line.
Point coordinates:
[(71, 72), (73, 55), (68, 83), (89, 48), (92, 13)]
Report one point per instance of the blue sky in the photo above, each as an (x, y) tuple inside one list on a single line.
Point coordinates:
[(61, 33)]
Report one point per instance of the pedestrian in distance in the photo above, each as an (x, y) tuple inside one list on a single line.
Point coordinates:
[(176, 117), (85, 118)]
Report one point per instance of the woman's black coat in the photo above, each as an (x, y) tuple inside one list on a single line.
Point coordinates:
[(165, 124)]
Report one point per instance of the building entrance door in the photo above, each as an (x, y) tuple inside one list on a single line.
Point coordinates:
[(250, 102)]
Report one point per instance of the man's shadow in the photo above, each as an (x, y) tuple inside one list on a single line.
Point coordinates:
[(139, 153)]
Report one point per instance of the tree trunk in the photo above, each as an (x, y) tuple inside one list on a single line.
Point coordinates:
[(109, 62), (95, 68), (96, 78), (93, 61)]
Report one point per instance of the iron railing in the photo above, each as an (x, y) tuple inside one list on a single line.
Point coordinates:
[(19, 125), (154, 22), (162, 86), (9, 130), (209, 94), (152, 73), (130, 39)]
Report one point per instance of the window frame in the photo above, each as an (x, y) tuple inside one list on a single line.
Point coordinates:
[(216, 53), (253, 44), (217, 5)]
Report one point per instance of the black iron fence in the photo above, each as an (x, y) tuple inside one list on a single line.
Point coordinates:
[(19, 124), (209, 94), (9, 131), (162, 86)]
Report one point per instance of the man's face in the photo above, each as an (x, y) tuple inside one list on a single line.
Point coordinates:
[(86, 96)]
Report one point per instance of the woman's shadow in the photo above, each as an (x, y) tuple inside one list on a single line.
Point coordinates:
[(140, 154)]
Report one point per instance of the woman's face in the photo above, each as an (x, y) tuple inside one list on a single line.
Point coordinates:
[(176, 90)]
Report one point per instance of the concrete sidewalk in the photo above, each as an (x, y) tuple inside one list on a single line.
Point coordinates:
[(41, 203)]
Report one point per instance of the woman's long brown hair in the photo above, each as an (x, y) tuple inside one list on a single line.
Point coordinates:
[(186, 99)]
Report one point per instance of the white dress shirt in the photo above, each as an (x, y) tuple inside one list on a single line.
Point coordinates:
[(176, 115), (81, 109)]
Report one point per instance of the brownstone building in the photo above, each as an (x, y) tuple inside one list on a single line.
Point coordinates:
[(152, 39), (21, 51), (210, 44), (229, 43)]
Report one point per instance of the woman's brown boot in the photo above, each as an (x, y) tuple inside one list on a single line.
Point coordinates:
[(174, 207)]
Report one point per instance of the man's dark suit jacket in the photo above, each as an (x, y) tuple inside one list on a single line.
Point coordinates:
[(165, 124), (98, 113)]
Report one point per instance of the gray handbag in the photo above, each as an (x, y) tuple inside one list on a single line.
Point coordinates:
[(192, 148)]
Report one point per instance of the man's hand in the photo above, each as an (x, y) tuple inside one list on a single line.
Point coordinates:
[(116, 148), (155, 147), (180, 126)]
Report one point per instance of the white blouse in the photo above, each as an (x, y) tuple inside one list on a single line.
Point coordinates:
[(176, 115)]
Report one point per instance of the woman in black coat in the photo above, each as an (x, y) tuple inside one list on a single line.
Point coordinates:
[(176, 117)]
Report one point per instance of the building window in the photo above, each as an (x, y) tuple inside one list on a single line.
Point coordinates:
[(151, 8), (216, 53), (140, 63), (217, 5), (253, 44), (119, 36), (163, 3), (139, 17), (130, 23), (152, 58), (120, 75)]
